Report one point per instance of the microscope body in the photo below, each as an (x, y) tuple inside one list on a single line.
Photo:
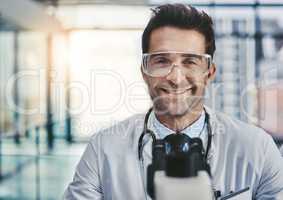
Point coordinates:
[(187, 188), (179, 170)]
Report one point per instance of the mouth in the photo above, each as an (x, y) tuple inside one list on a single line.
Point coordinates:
[(175, 91)]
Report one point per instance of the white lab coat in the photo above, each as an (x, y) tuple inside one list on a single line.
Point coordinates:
[(241, 156)]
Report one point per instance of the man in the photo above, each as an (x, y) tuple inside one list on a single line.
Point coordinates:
[(178, 45)]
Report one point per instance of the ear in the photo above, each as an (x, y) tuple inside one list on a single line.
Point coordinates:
[(211, 73)]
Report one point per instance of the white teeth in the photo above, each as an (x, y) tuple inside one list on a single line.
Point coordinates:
[(177, 91)]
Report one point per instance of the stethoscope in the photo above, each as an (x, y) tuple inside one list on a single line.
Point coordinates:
[(147, 131)]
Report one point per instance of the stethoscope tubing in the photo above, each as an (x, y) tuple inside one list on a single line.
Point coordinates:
[(151, 133)]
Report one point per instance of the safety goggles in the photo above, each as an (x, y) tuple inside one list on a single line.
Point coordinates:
[(160, 64)]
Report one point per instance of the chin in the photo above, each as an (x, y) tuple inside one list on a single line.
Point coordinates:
[(175, 106), (183, 108), (178, 110), (172, 110)]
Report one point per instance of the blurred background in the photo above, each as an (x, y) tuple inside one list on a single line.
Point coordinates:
[(69, 68)]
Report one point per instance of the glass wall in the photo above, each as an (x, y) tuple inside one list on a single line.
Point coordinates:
[(82, 81)]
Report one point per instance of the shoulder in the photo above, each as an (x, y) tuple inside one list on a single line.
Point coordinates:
[(238, 130), (244, 142), (243, 139), (119, 133)]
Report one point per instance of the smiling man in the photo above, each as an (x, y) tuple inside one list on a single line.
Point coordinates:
[(176, 70), (178, 47)]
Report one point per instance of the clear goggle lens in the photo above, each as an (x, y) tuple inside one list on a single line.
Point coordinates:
[(161, 63)]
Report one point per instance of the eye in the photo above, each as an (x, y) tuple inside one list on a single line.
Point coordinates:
[(191, 61), (160, 60)]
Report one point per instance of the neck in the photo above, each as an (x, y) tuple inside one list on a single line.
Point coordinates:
[(178, 123)]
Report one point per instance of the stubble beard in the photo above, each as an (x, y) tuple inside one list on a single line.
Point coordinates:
[(176, 107)]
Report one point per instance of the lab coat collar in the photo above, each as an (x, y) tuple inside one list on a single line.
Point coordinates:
[(215, 124)]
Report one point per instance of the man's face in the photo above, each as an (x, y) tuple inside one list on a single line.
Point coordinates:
[(177, 93)]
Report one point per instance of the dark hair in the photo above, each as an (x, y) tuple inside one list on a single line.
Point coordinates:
[(180, 16)]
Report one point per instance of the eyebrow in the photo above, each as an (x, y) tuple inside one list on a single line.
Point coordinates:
[(186, 55), (159, 54), (183, 54)]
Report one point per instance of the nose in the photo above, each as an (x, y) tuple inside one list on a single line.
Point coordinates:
[(176, 75)]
